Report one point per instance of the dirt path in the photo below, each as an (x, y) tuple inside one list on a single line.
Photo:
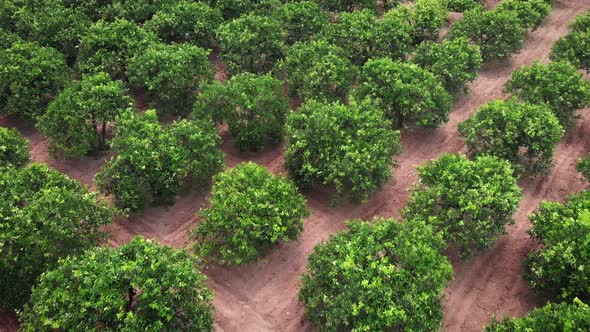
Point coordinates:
[(263, 296)]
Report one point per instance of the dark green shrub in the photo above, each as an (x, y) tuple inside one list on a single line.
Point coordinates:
[(379, 276), (44, 215), (581, 23), (108, 47), (317, 70), (530, 12), (251, 43), (134, 10), (7, 39), (405, 92), (76, 121), (469, 202), (573, 47), (558, 268), (351, 5), (30, 76), (551, 318), (524, 134), (463, 5), (349, 148), (254, 107), (186, 22), (139, 286), (558, 85), (154, 164), (454, 62), (251, 211), (14, 149), (170, 75), (301, 20), (498, 33)]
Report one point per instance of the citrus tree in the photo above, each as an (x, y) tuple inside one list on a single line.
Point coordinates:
[(530, 12), (406, 93), (186, 22), (30, 76), (170, 75), (574, 46), (251, 211), (379, 276), (254, 107), (558, 85), (232, 9), (583, 166), (564, 316), (454, 62), (557, 268), (317, 70), (301, 20), (349, 148), (498, 33), (14, 149), (76, 121), (154, 163), (251, 43), (524, 134), (469, 202), (350, 5), (108, 46), (44, 215), (138, 286)]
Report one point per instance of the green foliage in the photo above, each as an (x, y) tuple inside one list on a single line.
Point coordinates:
[(558, 268), (108, 46), (254, 106), (583, 166), (498, 33), (529, 12), (469, 202), (133, 10), (573, 47), (153, 163), (395, 34), (14, 149), (524, 134), (454, 62), (251, 211), (251, 43), (405, 92), (94, 9), (379, 276), (349, 148), (551, 318), (170, 75), (351, 5), (463, 5), (301, 20), (186, 22), (44, 215), (232, 9), (76, 121), (429, 16), (317, 70), (581, 23), (558, 85), (7, 39), (30, 76), (51, 23), (137, 287), (361, 36)]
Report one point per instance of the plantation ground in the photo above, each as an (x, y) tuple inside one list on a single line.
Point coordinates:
[(262, 296)]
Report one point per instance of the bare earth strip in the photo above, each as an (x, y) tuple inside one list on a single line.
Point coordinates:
[(263, 296)]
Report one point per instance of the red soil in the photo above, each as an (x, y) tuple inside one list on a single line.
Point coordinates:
[(263, 296)]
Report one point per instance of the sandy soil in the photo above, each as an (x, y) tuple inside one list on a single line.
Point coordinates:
[(263, 296)]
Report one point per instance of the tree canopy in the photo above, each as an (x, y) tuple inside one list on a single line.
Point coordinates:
[(254, 106), (378, 276), (469, 202), (14, 149), (251, 211), (76, 121), (44, 215), (524, 134), (139, 286), (348, 148), (406, 93), (154, 162)]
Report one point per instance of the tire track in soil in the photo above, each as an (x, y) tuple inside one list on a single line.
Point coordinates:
[(262, 296)]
